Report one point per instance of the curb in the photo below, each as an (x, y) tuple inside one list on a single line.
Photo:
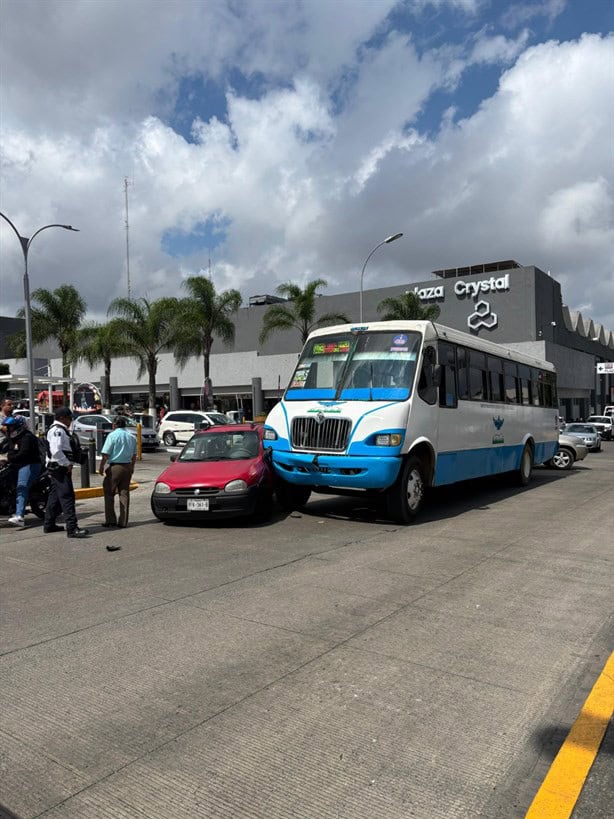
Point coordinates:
[(96, 492)]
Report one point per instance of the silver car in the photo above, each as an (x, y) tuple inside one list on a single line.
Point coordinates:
[(571, 449), (588, 433), (87, 426)]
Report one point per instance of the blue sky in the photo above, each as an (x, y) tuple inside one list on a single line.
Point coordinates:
[(282, 140)]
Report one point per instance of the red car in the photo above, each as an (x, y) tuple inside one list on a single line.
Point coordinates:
[(223, 471)]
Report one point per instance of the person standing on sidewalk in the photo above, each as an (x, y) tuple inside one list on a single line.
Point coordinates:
[(24, 456), (119, 450), (60, 464)]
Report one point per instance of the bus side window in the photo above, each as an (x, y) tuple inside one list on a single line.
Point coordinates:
[(462, 373), (426, 384), (495, 379), (447, 386), (477, 376), (512, 388)]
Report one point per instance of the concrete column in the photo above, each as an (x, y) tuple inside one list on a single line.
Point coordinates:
[(257, 397), (173, 392)]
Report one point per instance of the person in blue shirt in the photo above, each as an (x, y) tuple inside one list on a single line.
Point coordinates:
[(117, 466)]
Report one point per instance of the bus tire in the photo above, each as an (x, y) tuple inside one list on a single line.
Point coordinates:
[(525, 470), (406, 496), (291, 497)]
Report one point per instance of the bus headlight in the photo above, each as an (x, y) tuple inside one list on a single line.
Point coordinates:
[(270, 434), (388, 439)]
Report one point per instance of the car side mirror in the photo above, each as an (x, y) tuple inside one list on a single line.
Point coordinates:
[(268, 453), (173, 458), (204, 425)]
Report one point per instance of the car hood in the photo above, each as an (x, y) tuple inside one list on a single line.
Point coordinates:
[(208, 473)]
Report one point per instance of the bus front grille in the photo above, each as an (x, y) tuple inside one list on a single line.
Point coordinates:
[(317, 433)]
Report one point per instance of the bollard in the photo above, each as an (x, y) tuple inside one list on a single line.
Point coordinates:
[(91, 454), (85, 474)]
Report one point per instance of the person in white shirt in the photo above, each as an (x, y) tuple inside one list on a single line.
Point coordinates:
[(60, 466)]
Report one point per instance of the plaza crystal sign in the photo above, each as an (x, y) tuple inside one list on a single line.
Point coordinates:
[(482, 316)]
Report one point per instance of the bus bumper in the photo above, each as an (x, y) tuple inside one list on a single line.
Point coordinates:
[(347, 471)]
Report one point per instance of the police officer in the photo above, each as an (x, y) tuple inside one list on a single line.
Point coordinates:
[(60, 465)]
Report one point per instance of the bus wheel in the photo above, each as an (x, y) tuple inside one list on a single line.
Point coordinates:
[(291, 497), (406, 496), (525, 470)]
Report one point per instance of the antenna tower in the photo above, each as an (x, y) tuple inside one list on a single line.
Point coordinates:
[(126, 183)]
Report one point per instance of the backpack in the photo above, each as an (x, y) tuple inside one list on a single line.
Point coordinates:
[(43, 450)]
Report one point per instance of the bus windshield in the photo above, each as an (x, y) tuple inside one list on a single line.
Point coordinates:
[(363, 366)]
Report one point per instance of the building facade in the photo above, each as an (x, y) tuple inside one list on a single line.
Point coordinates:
[(520, 307)]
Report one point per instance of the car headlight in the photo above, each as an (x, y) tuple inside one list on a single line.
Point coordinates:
[(270, 434), (162, 489), (235, 486), (388, 439)]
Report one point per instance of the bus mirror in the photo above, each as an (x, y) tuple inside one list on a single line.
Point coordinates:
[(437, 375)]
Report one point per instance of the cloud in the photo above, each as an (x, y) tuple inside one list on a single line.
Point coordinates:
[(317, 157)]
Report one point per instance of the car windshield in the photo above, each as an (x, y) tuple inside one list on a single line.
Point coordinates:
[(222, 446), (600, 419), (363, 366), (580, 428)]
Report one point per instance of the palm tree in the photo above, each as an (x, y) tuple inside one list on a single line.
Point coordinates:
[(203, 315), (145, 329), (58, 317), (407, 307), (102, 342), (300, 315)]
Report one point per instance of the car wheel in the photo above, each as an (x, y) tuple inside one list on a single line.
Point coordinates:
[(291, 497), (563, 458), (264, 507), (169, 439), (406, 497)]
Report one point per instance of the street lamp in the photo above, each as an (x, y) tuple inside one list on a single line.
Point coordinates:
[(25, 247), (362, 273)]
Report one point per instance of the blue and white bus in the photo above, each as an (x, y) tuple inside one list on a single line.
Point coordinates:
[(391, 408)]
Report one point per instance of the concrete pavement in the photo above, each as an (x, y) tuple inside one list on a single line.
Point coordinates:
[(329, 664)]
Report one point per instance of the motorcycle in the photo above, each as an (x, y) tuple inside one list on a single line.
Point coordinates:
[(37, 497)]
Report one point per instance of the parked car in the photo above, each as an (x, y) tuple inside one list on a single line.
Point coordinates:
[(603, 424), (87, 426), (571, 449), (178, 426), (609, 410), (223, 471), (588, 433)]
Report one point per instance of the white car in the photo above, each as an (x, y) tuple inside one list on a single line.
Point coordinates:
[(87, 426), (178, 426), (603, 424)]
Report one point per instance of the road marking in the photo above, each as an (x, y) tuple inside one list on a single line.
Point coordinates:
[(562, 786)]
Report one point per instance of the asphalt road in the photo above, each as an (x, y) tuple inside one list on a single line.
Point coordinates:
[(327, 664)]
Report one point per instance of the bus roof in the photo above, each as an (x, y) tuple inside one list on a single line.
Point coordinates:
[(432, 331)]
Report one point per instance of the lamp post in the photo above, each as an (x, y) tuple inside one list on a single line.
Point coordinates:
[(25, 243), (387, 241)]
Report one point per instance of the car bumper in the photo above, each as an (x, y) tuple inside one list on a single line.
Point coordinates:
[(222, 505)]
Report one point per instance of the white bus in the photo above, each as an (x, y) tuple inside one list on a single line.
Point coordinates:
[(391, 408)]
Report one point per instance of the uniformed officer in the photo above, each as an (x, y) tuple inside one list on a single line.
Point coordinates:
[(60, 465)]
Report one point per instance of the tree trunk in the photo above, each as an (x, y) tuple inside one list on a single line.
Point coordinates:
[(106, 398), (152, 369)]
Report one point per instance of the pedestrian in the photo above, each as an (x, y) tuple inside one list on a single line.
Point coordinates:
[(24, 456), (62, 456), (119, 451)]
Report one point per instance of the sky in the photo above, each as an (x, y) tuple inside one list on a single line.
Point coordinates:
[(268, 141)]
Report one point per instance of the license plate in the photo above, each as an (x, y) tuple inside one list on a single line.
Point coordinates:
[(201, 505)]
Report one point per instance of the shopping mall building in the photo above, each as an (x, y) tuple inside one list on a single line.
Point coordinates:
[(521, 307)]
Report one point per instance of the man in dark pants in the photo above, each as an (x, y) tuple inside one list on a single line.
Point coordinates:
[(60, 465)]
